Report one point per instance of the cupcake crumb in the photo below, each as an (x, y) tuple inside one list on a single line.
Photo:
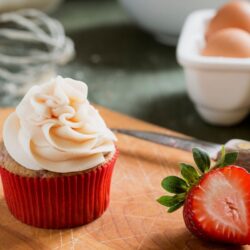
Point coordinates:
[(7, 162)]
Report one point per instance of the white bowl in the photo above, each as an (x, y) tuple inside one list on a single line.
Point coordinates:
[(164, 18), (218, 86)]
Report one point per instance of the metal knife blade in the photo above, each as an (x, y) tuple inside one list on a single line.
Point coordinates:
[(213, 149), (173, 141)]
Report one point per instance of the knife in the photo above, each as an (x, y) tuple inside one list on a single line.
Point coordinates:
[(187, 144)]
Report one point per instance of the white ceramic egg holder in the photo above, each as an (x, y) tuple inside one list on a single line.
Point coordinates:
[(219, 87)]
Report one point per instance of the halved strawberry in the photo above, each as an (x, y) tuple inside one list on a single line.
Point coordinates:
[(216, 202)]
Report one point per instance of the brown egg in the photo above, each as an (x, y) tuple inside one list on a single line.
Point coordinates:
[(229, 42), (235, 14)]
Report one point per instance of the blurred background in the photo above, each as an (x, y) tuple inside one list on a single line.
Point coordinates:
[(128, 70)]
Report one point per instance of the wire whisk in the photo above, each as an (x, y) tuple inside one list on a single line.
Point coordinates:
[(32, 44)]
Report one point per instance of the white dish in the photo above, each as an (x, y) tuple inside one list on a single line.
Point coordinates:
[(164, 18), (219, 87)]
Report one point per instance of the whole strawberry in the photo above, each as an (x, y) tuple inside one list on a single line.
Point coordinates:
[(216, 200)]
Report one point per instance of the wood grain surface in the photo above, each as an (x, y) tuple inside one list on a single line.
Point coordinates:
[(134, 220)]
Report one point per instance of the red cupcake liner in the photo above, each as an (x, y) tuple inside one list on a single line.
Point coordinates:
[(59, 202)]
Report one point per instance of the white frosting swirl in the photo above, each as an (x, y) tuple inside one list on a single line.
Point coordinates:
[(55, 128)]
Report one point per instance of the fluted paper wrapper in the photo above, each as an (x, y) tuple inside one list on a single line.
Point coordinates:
[(59, 202)]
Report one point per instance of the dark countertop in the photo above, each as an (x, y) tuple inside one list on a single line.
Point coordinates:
[(128, 71)]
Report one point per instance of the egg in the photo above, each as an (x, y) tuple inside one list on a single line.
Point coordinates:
[(235, 14), (230, 42)]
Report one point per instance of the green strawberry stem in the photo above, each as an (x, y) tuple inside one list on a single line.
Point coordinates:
[(191, 176)]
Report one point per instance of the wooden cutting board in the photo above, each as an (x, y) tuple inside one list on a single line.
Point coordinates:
[(134, 220)]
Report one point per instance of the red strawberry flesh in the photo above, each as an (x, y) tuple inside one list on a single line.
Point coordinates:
[(218, 208)]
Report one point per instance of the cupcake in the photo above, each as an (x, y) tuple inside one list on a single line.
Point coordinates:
[(57, 157)]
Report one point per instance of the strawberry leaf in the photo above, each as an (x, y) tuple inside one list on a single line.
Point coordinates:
[(170, 201), (230, 158), (201, 159), (189, 173), (227, 159), (221, 159), (174, 184), (167, 201), (175, 207)]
